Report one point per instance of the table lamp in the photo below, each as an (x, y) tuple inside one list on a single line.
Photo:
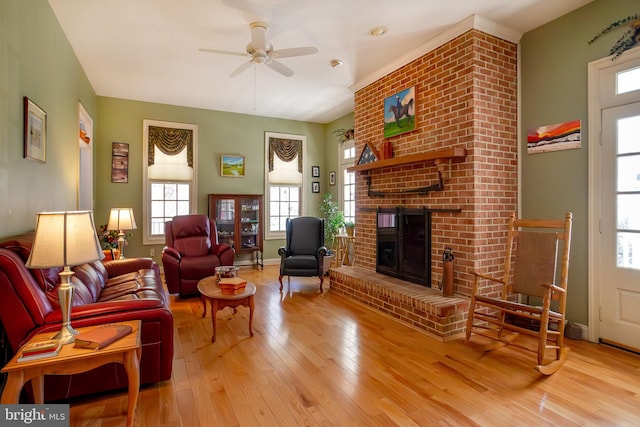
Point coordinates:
[(121, 219), (64, 239)]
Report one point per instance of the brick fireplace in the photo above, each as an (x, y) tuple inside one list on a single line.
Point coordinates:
[(465, 96)]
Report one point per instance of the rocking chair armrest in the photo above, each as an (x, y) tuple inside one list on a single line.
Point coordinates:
[(484, 276), (554, 288)]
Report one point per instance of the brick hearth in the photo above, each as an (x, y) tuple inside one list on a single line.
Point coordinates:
[(421, 307)]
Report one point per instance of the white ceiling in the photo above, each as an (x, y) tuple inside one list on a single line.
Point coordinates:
[(147, 50)]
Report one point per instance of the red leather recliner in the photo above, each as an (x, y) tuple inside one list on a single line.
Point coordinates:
[(192, 252)]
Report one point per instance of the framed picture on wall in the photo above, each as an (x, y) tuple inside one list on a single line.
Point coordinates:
[(315, 187), (400, 112), (231, 165), (35, 131), (315, 171), (332, 178), (120, 162)]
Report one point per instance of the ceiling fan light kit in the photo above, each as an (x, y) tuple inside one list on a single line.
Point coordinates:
[(261, 52)]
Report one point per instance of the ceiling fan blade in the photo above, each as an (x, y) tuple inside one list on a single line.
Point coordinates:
[(279, 67), (258, 40), (241, 68), (223, 52), (294, 51)]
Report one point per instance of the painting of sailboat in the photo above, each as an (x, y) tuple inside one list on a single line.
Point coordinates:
[(561, 136)]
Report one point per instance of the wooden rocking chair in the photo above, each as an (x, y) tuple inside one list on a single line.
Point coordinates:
[(524, 305)]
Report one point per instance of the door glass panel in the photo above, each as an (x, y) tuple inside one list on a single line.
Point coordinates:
[(629, 173), (628, 189), (628, 80), (628, 218), (628, 135), (628, 245)]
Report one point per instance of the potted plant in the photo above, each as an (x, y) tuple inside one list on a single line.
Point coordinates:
[(333, 222), (349, 227)]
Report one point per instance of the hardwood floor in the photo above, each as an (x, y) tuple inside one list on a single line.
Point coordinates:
[(321, 359)]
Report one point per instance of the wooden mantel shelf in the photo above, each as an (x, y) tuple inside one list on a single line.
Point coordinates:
[(456, 154)]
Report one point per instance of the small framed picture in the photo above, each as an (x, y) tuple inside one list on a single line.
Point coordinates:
[(231, 165), (315, 171), (315, 186), (332, 178), (35, 131), (119, 162)]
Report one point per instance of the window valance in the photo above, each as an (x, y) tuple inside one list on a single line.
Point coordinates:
[(170, 141), (286, 150)]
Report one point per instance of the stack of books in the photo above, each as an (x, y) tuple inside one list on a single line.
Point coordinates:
[(232, 285), (40, 350)]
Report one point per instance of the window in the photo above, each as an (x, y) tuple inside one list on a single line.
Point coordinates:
[(168, 199), (348, 184), (169, 163), (283, 181), (284, 202), (628, 80)]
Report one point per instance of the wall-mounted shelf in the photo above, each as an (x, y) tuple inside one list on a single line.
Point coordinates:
[(456, 154)]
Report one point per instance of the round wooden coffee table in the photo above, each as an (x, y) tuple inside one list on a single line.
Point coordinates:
[(209, 290)]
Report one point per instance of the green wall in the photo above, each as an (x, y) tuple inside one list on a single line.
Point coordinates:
[(37, 61), (218, 132), (554, 60)]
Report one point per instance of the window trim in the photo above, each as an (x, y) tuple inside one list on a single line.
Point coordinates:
[(280, 235), (343, 165), (147, 238)]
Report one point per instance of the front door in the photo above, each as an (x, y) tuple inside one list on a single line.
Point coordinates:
[(620, 226)]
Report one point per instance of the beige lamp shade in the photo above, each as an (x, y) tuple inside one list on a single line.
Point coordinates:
[(121, 219), (64, 239)]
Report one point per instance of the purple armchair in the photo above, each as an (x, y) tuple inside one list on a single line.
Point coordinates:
[(192, 252)]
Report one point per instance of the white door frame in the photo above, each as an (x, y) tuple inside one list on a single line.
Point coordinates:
[(600, 96)]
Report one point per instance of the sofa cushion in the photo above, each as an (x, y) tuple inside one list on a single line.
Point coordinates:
[(139, 285), (94, 276), (47, 278)]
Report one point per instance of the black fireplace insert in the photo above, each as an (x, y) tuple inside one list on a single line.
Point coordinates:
[(404, 244)]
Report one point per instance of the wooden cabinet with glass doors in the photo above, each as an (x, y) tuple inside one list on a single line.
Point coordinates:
[(239, 221)]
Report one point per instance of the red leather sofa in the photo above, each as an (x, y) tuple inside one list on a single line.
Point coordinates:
[(192, 252), (109, 291)]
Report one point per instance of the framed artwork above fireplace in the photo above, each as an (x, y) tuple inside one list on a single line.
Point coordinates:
[(400, 112)]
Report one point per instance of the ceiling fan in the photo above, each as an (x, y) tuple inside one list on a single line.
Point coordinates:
[(261, 52)]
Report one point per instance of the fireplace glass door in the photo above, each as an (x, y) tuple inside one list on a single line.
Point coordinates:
[(404, 244)]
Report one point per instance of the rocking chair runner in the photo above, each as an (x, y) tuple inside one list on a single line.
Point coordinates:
[(525, 305)]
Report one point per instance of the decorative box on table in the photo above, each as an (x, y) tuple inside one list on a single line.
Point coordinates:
[(232, 285)]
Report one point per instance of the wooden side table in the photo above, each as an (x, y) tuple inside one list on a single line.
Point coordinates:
[(345, 250), (72, 360), (210, 291)]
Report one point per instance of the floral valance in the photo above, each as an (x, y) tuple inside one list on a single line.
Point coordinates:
[(286, 150), (170, 141)]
